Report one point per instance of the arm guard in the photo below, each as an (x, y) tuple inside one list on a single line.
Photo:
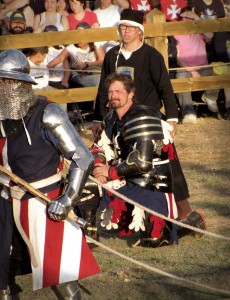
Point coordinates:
[(138, 161), (56, 121), (146, 168)]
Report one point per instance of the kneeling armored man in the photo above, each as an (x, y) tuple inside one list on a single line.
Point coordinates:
[(131, 156)]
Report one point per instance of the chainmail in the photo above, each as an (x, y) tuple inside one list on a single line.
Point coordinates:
[(16, 97)]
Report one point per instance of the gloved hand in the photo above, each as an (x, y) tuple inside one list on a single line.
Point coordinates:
[(59, 208)]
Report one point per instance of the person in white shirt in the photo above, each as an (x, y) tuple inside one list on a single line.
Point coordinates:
[(50, 17), (38, 69), (108, 15), (85, 61), (58, 76)]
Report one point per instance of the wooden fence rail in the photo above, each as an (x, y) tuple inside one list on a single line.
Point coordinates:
[(156, 32)]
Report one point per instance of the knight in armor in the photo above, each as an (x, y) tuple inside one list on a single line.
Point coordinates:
[(131, 156), (36, 135)]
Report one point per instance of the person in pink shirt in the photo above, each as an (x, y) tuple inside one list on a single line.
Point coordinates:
[(191, 52), (80, 14)]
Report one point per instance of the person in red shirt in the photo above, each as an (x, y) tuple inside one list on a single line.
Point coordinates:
[(143, 5), (80, 14), (172, 8)]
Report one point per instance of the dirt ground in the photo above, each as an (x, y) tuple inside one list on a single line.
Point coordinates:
[(204, 150)]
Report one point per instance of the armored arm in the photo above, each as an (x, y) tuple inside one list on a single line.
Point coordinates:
[(71, 145), (146, 165), (141, 128), (138, 161)]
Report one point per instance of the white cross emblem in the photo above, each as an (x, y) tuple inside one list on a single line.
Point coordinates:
[(144, 6), (173, 11)]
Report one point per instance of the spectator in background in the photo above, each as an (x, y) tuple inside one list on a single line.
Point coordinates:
[(10, 6), (226, 4), (208, 9), (155, 3), (58, 78), (141, 5), (17, 24), (191, 52), (221, 44), (38, 69), (123, 4), (219, 49), (80, 14), (38, 6), (63, 7), (4, 26), (172, 8), (50, 17), (82, 57), (108, 15)]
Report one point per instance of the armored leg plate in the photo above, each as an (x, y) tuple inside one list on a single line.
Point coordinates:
[(68, 291), (5, 295), (91, 230)]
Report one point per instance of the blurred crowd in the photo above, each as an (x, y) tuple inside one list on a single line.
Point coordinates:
[(79, 65)]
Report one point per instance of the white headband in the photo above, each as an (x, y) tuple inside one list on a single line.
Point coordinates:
[(132, 23)]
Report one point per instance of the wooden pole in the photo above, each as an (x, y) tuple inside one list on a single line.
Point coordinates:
[(156, 18)]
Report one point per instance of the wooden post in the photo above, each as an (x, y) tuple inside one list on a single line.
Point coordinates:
[(160, 43)]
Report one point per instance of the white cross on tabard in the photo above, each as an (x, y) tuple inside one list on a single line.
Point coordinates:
[(144, 6), (173, 11)]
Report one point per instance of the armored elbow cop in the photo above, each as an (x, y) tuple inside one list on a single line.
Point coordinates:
[(154, 173), (145, 166), (56, 121)]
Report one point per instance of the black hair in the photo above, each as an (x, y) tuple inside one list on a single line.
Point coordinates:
[(36, 50), (82, 2), (50, 28), (85, 26)]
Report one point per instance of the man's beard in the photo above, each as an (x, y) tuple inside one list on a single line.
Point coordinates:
[(114, 103), (17, 30)]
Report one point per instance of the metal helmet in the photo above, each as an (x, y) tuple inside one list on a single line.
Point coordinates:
[(14, 65)]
